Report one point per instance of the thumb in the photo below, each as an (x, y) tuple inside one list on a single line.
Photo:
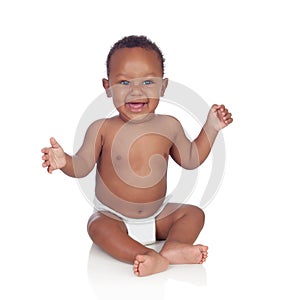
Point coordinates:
[(54, 143), (216, 107)]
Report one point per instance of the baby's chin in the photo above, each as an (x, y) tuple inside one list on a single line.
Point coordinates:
[(136, 117)]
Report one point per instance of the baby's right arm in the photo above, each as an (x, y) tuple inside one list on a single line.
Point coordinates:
[(80, 164)]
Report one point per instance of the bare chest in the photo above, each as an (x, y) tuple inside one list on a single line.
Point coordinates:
[(138, 159)]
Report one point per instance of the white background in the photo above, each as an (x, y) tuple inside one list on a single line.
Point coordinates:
[(244, 54)]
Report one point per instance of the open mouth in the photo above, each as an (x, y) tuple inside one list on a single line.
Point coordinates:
[(136, 106)]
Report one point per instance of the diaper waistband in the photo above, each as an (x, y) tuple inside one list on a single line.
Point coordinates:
[(99, 206)]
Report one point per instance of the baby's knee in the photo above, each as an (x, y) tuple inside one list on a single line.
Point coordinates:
[(92, 225), (102, 225), (195, 211)]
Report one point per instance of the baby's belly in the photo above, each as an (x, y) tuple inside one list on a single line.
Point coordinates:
[(131, 201)]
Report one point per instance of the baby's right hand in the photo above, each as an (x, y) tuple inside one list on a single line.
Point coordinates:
[(54, 157)]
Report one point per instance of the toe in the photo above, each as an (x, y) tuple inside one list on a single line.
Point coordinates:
[(136, 269), (140, 259)]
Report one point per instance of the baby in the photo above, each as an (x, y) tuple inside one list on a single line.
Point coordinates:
[(131, 151)]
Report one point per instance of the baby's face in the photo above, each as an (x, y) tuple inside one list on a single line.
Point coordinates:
[(135, 82)]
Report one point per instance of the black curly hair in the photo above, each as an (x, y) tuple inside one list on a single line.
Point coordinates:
[(133, 41)]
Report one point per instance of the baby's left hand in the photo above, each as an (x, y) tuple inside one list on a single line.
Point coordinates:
[(219, 117)]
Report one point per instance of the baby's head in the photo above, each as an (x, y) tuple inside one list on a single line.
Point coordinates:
[(135, 69), (134, 41)]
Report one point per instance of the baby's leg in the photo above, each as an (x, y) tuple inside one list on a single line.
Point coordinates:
[(110, 234), (180, 225)]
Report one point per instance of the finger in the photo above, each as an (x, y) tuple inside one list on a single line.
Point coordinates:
[(46, 163), (215, 108), (54, 143), (229, 121), (45, 150), (220, 114), (227, 116), (219, 108), (222, 107), (224, 111), (45, 157), (50, 169)]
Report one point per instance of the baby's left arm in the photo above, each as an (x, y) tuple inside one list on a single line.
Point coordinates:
[(189, 154)]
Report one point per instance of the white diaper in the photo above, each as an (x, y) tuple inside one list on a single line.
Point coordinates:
[(141, 230)]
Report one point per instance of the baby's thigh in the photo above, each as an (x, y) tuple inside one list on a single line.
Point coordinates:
[(174, 212), (166, 219), (104, 223)]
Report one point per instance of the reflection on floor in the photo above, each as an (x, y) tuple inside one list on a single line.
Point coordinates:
[(109, 276)]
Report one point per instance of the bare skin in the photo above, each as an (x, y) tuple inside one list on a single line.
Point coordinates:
[(131, 152), (178, 248), (178, 253)]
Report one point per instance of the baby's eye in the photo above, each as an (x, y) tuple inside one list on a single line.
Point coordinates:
[(148, 82), (124, 82)]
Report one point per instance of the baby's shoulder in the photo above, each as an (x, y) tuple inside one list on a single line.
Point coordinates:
[(97, 124), (169, 120), (108, 126), (97, 127)]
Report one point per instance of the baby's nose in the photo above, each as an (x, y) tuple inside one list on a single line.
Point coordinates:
[(136, 88)]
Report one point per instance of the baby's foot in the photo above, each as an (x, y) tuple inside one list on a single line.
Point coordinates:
[(179, 253), (150, 263)]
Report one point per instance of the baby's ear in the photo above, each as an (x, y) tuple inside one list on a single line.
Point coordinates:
[(106, 86), (164, 86)]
